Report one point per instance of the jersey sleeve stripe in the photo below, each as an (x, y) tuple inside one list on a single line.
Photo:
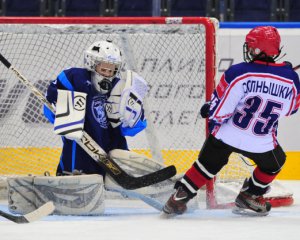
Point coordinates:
[(221, 88), (62, 77), (225, 96), (294, 105)]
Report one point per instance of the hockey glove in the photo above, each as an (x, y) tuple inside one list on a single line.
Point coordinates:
[(131, 102), (204, 111)]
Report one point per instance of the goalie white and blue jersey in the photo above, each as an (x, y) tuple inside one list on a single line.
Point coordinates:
[(249, 100), (96, 122)]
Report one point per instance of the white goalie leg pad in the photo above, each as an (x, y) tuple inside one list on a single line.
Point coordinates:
[(71, 195), (137, 165), (3, 188), (70, 114)]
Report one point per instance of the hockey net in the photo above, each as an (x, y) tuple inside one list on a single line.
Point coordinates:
[(177, 56)]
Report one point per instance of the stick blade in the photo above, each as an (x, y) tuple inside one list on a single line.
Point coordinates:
[(132, 183), (35, 215), (39, 213)]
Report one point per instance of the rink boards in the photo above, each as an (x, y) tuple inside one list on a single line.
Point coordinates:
[(24, 161)]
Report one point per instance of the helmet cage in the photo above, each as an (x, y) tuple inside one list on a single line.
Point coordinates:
[(116, 69), (262, 43), (250, 57), (103, 52), (91, 62)]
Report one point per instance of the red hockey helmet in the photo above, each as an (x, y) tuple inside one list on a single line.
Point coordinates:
[(262, 40)]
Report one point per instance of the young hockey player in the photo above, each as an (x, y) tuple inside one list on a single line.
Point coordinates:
[(97, 100), (243, 117)]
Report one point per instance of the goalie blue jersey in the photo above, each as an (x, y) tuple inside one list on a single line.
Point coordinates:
[(249, 100), (96, 123)]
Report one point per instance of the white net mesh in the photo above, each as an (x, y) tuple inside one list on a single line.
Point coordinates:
[(170, 57)]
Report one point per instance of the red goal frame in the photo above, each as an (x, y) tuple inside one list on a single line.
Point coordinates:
[(210, 47)]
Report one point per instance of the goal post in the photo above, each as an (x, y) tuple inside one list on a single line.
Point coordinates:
[(176, 56)]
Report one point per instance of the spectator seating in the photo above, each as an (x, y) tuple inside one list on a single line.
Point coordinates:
[(134, 8), (293, 10), (224, 10), (188, 8), (23, 8), (255, 11), (78, 8)]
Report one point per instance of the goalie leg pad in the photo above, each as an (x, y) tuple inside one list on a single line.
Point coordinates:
[(71, 195), (138, 164), (141, 163)]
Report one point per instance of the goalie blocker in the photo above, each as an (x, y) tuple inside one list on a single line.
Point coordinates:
[(70, 114)]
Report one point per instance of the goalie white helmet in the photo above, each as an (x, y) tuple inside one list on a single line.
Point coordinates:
[(104, 59)]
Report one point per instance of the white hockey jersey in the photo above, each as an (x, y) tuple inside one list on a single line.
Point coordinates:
[(249, 100)]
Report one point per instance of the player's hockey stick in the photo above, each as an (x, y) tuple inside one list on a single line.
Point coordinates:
[(133, 194), (96, 152), (37, 214), (296, 67)]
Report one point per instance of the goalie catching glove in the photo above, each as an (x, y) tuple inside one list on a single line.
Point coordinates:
[(131, 102), (125, 104)]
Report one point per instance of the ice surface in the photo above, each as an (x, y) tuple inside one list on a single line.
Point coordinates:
[(133, 220)]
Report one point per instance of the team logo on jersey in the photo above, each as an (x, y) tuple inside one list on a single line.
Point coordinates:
[(99, 112)]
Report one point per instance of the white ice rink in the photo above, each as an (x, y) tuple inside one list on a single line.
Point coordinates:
[(133, 220)]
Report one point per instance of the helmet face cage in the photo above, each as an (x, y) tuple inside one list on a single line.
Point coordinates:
[(103, 51), (246, 54), (262, 43)]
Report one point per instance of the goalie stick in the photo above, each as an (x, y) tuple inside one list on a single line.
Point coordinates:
[(35, 215), (96, 152)]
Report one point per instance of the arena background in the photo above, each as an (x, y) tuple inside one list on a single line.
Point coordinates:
[(236, 18)]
